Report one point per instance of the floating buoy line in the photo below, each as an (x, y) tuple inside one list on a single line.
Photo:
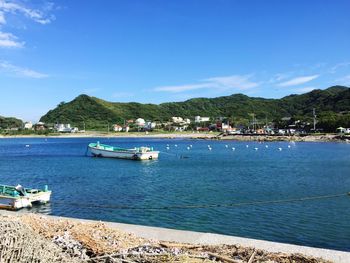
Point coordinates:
[(204, 206)]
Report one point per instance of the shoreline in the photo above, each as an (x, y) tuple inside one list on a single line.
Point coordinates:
[(182, 243), (196, 136)]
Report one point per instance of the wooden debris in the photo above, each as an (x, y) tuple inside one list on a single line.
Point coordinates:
[(96, 243), (222, 258), (252, 257)]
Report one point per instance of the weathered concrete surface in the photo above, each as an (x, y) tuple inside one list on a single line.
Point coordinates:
[(215, 239), (191, 237)]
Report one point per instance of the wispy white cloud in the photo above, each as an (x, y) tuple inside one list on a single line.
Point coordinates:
[(278, 77), (33, 14), (181, 88), (237, 82), (304, 90), (8, 40), (297, 81), (234, 82), (336, 67), (344, 80), (2, 18), (19, 71)]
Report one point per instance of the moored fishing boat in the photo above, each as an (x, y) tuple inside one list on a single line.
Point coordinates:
[(138, 153), (17, 197)]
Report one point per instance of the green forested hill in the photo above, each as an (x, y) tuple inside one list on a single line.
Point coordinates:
[(10, 122), (238, 108)]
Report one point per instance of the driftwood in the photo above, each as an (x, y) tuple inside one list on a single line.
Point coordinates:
[(222, 258), (252, 257), (178, 245)]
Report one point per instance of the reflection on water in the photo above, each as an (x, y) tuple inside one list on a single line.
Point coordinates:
[(38, 208)]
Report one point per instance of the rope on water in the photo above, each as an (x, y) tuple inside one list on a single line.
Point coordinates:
[(201, 206), (87, 150), (175, 154)]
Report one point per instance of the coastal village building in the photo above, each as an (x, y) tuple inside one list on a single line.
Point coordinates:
[(60, 127), (177, 119), (140, 123), (117, 128), (342, 130), (28, 125), (40, 126), (179, 124), (149, 125), (199, 119)]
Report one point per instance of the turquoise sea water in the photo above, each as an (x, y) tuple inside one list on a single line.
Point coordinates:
[(96, 188)]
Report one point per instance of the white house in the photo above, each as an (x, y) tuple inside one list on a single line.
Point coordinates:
[(117, 128), (28, 125), (140, 122), (199, 119), (150, 125), (60, 127), (177, 119)]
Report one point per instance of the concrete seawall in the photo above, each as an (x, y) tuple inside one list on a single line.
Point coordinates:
[(191, 237)]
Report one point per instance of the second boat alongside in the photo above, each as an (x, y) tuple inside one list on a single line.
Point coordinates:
[(140, 153)]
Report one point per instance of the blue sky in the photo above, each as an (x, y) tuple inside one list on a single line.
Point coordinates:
[(154, 51)]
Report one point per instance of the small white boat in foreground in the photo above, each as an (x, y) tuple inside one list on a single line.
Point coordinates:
[(140, 153), (17, 197)]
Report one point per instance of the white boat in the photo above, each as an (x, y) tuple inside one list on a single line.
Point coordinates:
[(17, 197), (140, 153)]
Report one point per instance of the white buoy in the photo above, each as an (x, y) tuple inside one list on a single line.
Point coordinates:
[(266, 146), (188, 148), (255, 148), (247, 146), (209, 149), (226, 146), (280, 149), (167, 147), (27, 145), (288, 146), (233, 148), (191, 145), (208, 146), (175, 145)]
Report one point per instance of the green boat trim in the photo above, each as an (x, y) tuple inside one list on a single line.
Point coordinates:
[(11, 191), (106, 147)]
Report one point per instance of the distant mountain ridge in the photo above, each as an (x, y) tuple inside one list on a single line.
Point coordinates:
[(237, 107)]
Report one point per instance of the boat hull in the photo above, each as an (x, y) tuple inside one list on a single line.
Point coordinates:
[(131, 155), (18, 202)]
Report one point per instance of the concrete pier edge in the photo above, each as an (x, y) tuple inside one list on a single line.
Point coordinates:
[(191, 237)]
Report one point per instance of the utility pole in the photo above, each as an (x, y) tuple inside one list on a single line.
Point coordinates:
[(314, 114)]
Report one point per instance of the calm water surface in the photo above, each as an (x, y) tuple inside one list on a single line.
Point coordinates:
[(94, 188)]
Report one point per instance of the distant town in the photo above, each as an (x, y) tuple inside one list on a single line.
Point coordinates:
[(286, 126)]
